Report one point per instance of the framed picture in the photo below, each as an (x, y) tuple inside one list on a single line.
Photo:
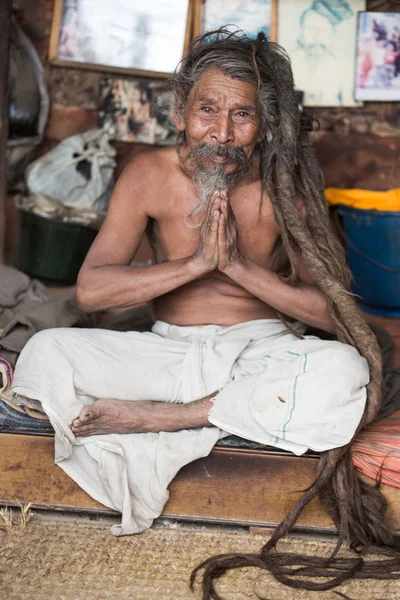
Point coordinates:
[(121, 36), (320, 38), (378, 56), (250, 15), (136, 110)]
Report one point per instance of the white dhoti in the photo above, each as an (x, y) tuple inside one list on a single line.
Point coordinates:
[(270, 387)]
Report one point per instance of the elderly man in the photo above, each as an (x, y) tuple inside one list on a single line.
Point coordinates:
[(243, 258)]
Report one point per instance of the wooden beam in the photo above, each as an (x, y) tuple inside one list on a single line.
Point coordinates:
[(231, 485), (5, 30)]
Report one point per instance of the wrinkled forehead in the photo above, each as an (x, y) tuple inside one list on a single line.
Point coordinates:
[(214, 85)]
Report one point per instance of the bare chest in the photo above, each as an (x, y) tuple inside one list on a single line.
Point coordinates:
[(173, 236)]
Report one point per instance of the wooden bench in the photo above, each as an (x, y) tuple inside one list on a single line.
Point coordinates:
[(234, 485)]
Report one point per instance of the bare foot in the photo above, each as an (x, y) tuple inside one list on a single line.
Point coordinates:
[(140, 416), (118, 416)]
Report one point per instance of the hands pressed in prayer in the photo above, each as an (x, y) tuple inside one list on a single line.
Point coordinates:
[(206, 254), (218, 247), (229, 254)]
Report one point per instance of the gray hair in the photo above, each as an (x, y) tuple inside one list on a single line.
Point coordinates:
[(258, 62), (292, 177)]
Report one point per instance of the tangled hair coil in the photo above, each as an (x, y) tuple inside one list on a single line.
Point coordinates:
[(293, 180), (260, 38)]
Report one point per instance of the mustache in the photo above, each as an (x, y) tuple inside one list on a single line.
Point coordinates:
[(212, 177), (231, 153)]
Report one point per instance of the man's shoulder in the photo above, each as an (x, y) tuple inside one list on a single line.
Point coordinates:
[(148, 166), (144, 176)]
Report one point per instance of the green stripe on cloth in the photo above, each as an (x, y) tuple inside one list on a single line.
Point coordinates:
[(294, 393)]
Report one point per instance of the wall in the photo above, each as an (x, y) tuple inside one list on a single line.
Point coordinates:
[(357, 147)]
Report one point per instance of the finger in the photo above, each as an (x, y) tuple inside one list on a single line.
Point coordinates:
[(215, 197), (214, 203), (231, 219), (212, 222), (215, 221), (208, 219), (222, 229), (224, 208), (231, 232)]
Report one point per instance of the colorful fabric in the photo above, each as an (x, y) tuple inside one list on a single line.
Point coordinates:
[(365, 199), (7, 398), (6, 375), (13, 420), (376, 450)]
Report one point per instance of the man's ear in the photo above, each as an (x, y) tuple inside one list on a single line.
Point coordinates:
[(179, 122)]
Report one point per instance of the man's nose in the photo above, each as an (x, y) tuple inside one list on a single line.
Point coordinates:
[(222, 130)]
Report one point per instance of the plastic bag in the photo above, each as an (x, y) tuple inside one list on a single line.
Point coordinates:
[(79, 172)]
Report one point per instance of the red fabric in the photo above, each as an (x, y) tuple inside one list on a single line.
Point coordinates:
[(378, 447)]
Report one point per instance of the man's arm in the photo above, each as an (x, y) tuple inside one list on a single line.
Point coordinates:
[(304, 302), (107, 280)]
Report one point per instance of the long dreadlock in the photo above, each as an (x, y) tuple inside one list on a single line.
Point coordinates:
[(289, 170)]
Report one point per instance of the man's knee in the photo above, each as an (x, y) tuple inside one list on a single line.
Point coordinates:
[(344, 365), (48, 341)]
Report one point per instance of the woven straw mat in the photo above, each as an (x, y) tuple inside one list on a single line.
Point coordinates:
[(50, 560)]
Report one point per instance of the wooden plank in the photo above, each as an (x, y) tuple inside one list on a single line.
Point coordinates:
[(273, 32), (28, 473), (250, 487), (239, 486), (5, 30), (55, 29), (197, 17)]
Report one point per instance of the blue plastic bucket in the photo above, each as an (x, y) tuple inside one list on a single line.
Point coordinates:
[(373, 250)]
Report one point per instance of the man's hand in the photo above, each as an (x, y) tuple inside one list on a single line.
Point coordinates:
[(229, 254), (206, 255)]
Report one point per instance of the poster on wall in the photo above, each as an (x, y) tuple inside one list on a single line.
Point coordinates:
[(320, 38), (251, 16), (120, 34), (136, 110), (378, 56)]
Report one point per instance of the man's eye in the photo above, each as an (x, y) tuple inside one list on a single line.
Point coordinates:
[(206, 109), (242, 114)]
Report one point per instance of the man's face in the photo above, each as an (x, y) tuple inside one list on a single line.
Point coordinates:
[(222, 112), (317, 34)]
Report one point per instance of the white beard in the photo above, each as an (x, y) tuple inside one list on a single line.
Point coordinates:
[(210, 180)]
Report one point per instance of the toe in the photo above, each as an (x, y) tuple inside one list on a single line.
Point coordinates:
[(86, 415), (85, 431)]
